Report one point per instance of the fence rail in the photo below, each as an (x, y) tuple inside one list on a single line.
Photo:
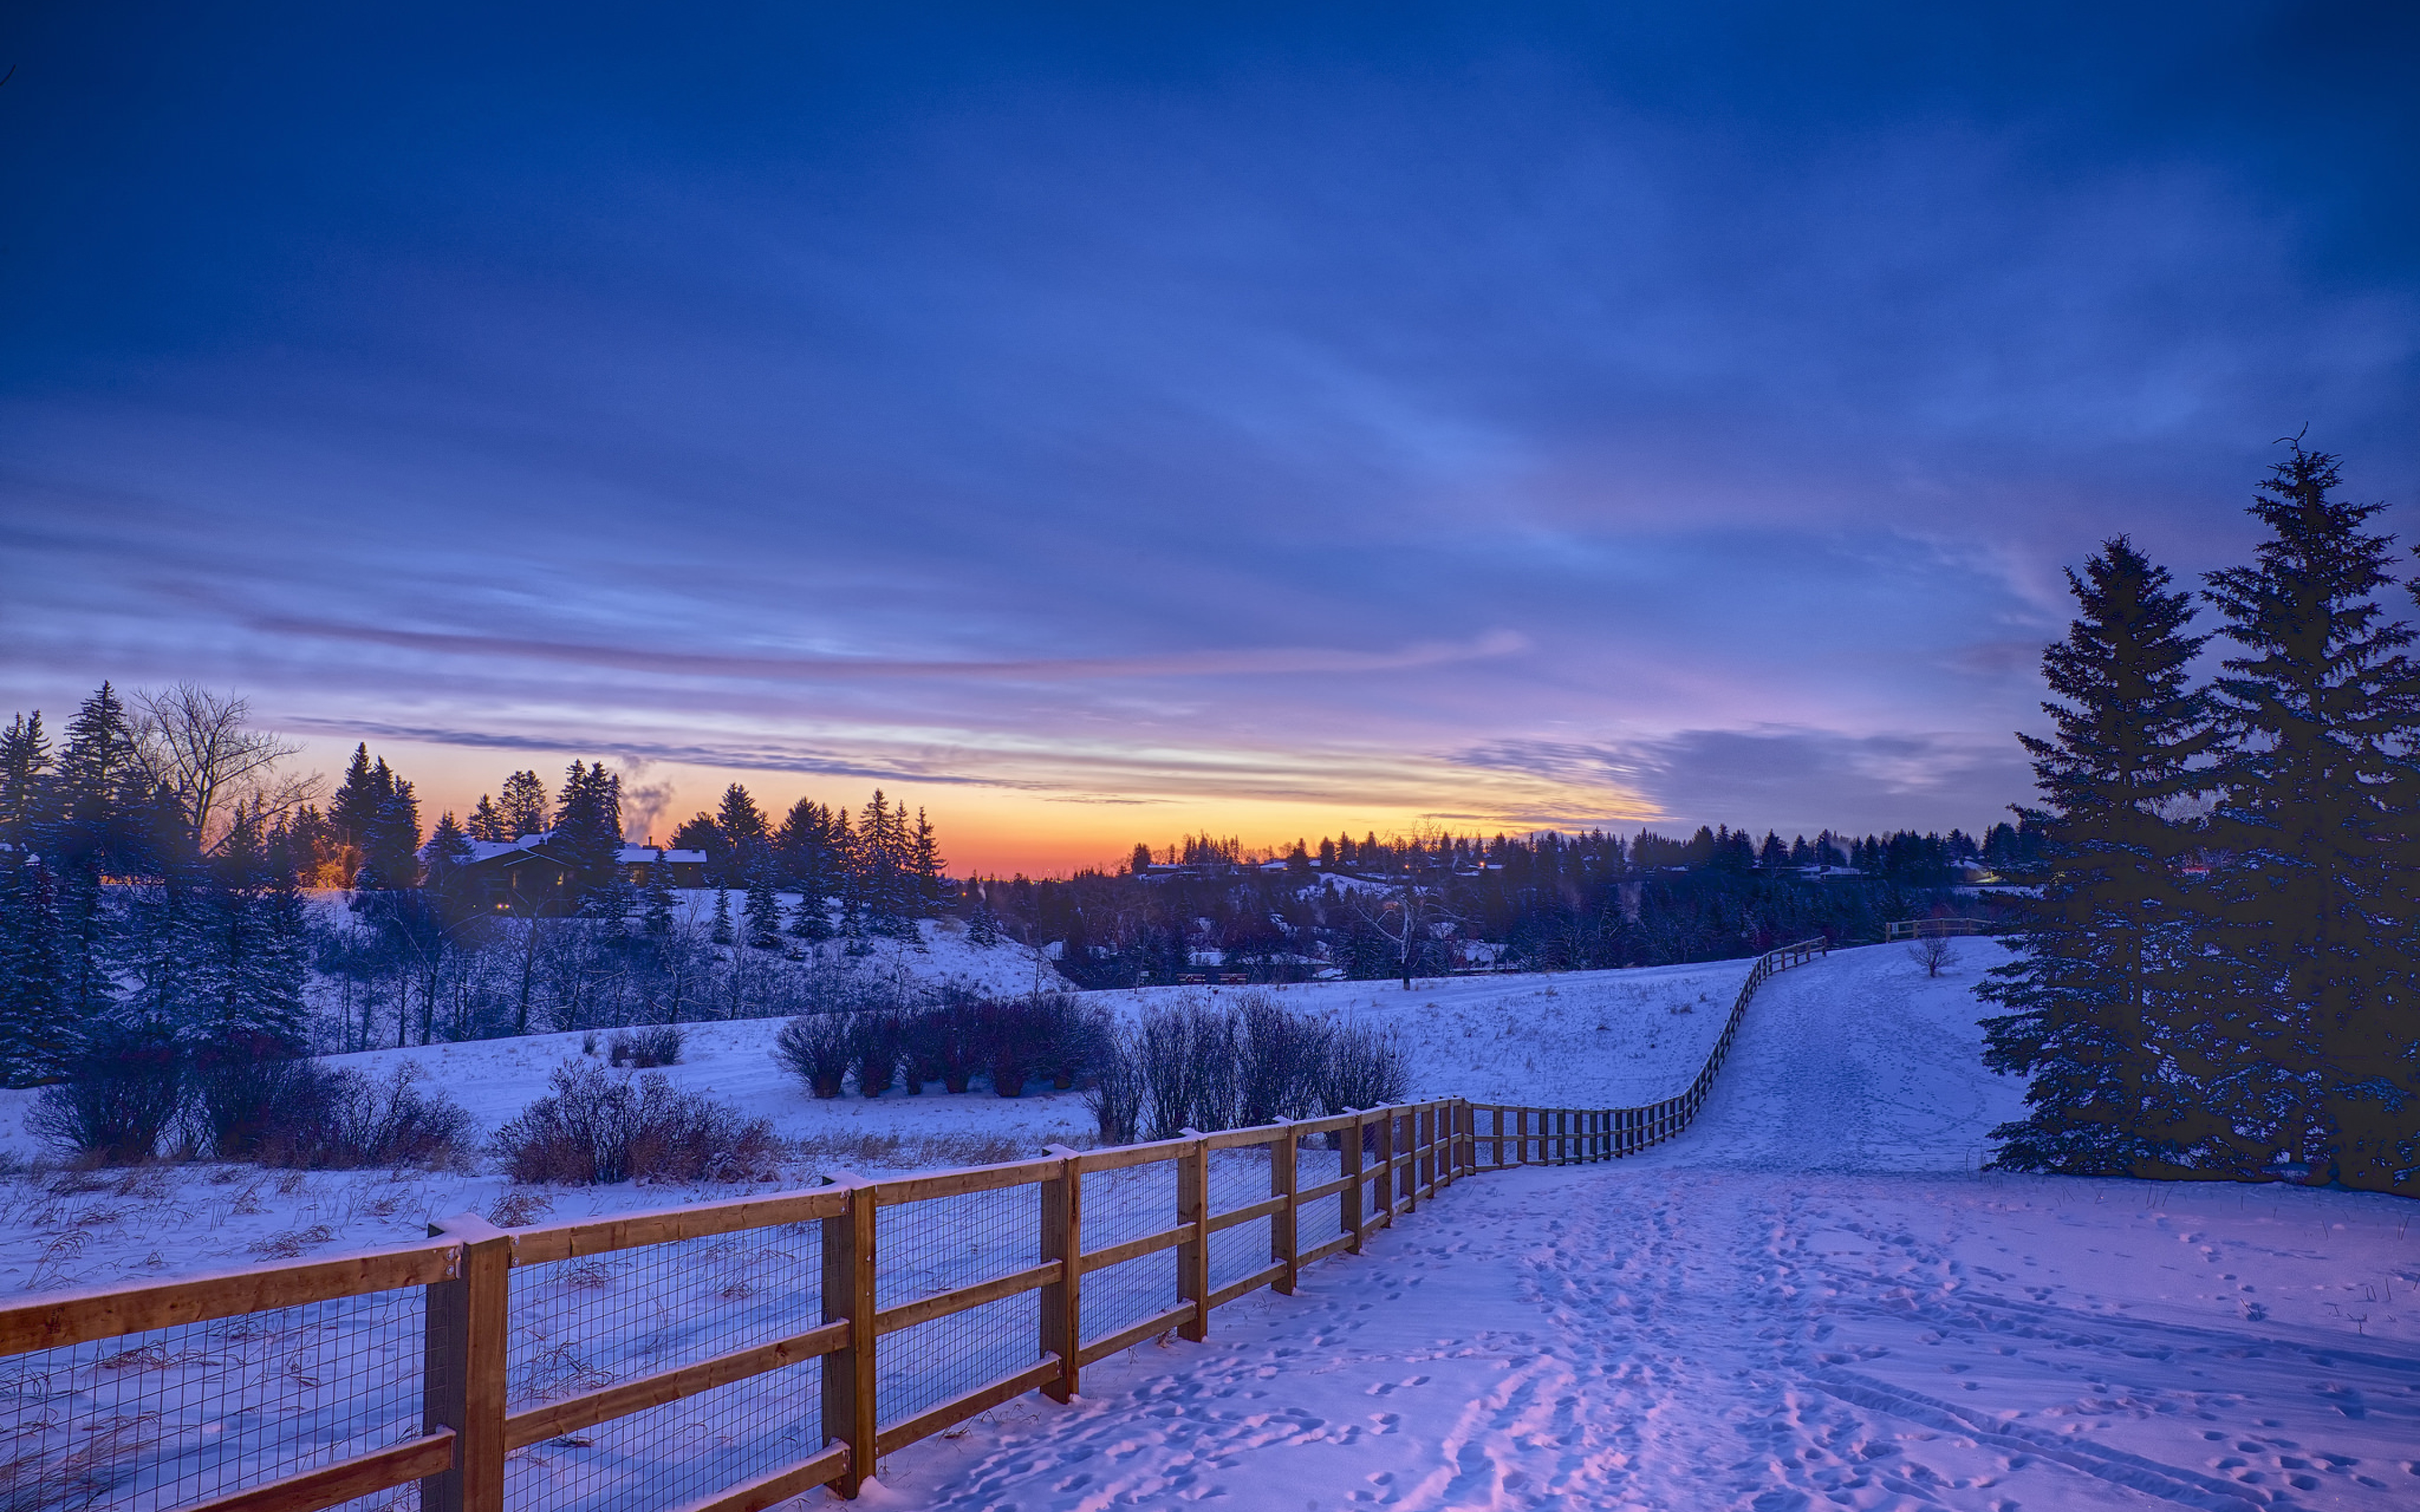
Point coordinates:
[(653, 1360)]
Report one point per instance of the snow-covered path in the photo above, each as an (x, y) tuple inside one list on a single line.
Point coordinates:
[(1810, 1299)]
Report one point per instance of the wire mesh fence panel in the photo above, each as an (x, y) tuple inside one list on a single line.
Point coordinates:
[(923, 1249), (930, 1364), (678, 1453), (582, 1324), (1238, 1251), (171, 1416), (1129, 1203), (1118, 1297), (1238, 1177)]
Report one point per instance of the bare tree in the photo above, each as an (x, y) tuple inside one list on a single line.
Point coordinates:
[(202, 749), (1408, 918), (1932, 953)]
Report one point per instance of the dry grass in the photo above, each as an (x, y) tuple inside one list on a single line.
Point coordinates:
[(912, 1153), (518, 1209), (292, 1242)]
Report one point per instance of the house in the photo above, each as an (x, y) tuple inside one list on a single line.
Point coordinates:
[(529, 878)]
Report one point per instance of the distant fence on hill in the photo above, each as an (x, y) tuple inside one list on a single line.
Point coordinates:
[(654, 1361), (1927, 929)]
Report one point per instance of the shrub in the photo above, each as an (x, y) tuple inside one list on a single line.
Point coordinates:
[(242, 1103), (122, 1099), (657, 1045), (1116, 1095), (1188, 1058), (344, 1120), (1362, 1069), (1279, 1058), (594, 1129), (816, 1048), (1011, 1046), (876, 1046)]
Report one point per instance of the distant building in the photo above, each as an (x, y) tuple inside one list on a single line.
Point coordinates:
[(526, 878)]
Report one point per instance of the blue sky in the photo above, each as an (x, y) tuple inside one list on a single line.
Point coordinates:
[(1112, 422)]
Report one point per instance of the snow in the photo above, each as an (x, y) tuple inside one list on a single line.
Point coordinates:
[(1812, 1298)]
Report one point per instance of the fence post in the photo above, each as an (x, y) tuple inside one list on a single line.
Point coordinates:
[(1497, 1113), (1385, 1217), (1193, 1253), (1062, 1239), (1283, 1245), (1409, 1187), (463, 1364), (1348, 1202), (848, 1373)]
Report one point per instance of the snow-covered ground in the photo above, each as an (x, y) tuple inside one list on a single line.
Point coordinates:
[(1810, 1299), (1588, 1039), (1813, 1298)]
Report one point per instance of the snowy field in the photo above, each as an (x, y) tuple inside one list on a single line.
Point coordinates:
[(1591, 1040), (1810, 1300)]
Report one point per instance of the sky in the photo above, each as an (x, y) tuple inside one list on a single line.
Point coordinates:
[(1106, 423)]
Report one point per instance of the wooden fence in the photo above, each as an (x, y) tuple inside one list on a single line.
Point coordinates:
[(1920, 928), (535, 1369)]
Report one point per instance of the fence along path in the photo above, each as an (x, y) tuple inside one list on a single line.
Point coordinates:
[(656, 1361)]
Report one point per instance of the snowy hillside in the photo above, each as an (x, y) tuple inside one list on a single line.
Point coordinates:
[(1585, 1040)]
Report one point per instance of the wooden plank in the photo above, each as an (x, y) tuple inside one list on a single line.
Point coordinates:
[(311, 1489), (1322, 1251), (1126, 1339), (1125, 1155), (949, 1414), (1348, 1211), (1325, 1189), (1233, 1289), (1333, 1123), (1134, 1249), (89, 1313), (958, 1184), (602, 1236), (819, 1469), (555, 1419), (848, 1287), (1261, 1209), (924, 1310), (463, 1368), (1258, 1133)]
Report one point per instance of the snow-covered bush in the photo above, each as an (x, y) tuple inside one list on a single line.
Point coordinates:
[(1280, 1056), (1362, 1069), (944, 1041), (878, 1043), (596, 1128), (644, 1049), (239, 1101), (816, 1049)]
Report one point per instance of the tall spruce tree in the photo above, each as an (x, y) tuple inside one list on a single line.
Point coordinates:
[(521, 806), (2307, 1057), (2098, 976), (588, 834)]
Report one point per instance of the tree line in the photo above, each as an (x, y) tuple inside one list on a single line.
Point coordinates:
[(2221, 978)]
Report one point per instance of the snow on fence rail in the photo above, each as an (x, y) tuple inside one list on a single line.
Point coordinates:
[(1925, 929), (652, 1361)]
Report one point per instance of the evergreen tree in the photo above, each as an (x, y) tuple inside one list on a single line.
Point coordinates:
[(37, 1038), (2100, 972), (587, 833), (25, 787), (521, 806), (762, 911), (925, 864), (659, 918), (745, 836), (486, 823), (239, 990), (390, 836), (721, 935), (442, 861), (2310, 1053), (95, 833), (353, 811)]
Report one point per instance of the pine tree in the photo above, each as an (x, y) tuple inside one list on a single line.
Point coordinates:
[(924, 860), (442, 861), (587, 833), (521, 806), (722, 933), (2310, 1054), (388, 839), (353, 811), (24, 789), (37, 1036), (2102, 952), (762, 911), (94, 835), (659, 918), (486, 823)]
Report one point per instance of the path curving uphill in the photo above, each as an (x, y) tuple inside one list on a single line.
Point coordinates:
[(1809, 1299)]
